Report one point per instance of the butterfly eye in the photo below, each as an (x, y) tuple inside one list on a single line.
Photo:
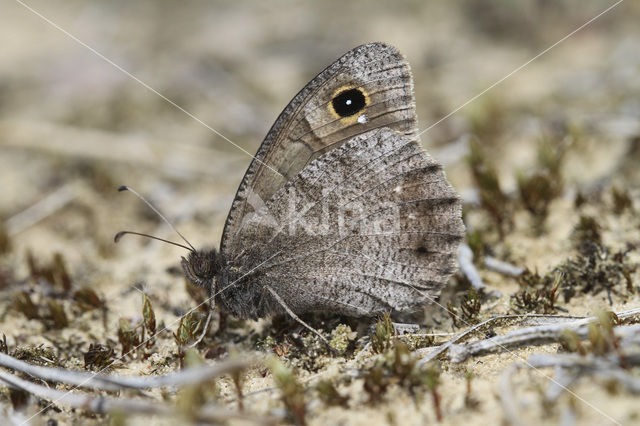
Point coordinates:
[(349, 102), (202, 268)]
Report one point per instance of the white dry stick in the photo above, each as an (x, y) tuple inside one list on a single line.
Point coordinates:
[(531, 336), (363, 351), (272, 388), (507, 396), (584, 362), (405, 328), (562, 379), (107, 382), (567, 416), (502, 267), (102, 404), (632, 384), (558, 320), (465, 260), (572, 367), (432, 353), (41, 209), (609, 367)]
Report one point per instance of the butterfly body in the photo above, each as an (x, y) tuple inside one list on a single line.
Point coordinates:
[(341, 210), (209, 269)]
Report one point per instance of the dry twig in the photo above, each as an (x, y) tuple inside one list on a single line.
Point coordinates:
[(507, 396), (571, 367), (502, 267), (541, 334), (532, 336), (102, 404), (433, 352), (107, 382), (465, 261), (608, 368)]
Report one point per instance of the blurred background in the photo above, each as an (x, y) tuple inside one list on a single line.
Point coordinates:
[(74, 127)]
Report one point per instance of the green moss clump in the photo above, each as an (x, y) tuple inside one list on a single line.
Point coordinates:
[(293, 393), (587, 230), (53, 272), (330, 395), (492, 199), (23, 303), (98, 357), (128, 336), (538, 189), (39, 355), (467, 310), (622, 200), (596, 269), (382, 337), (5, 240), (341, 338), (57, 314), (87, 299), (189, 328), (399, 367), (538, 293), (536, 192)]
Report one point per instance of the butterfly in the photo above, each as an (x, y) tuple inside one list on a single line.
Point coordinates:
[(341, 210)]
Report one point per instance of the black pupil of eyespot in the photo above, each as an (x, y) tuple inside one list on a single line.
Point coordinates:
[(349, 102)]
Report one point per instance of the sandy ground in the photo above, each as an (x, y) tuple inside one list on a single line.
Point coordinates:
[(73, 128)]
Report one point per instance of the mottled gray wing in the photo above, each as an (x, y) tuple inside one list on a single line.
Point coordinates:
[(310, 125), (370, 226)]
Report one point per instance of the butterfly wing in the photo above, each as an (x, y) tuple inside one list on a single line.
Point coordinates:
[(368, 227), (369, 87)]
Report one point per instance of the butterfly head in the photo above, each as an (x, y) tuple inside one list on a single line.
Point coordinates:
[(202, 267)]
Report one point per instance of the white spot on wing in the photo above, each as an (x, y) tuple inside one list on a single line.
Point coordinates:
[(362, 119)]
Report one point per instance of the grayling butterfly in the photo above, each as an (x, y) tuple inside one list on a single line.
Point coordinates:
[(341, 210)]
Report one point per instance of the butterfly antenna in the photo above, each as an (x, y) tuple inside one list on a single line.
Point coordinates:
[(121, 233), (127, 188)]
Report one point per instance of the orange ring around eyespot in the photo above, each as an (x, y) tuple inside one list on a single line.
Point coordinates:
[(352, 118)]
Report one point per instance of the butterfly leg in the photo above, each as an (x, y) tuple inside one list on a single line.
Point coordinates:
[(210, 301), (296, 317)]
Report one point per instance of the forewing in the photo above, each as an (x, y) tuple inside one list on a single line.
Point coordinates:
[(371, 226), (310, 126)]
